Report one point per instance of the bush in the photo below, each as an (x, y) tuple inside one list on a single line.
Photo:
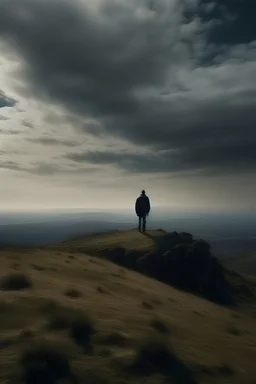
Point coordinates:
[(155, 356), (79, 325), (15, 282), (43, 363), (81, 331)]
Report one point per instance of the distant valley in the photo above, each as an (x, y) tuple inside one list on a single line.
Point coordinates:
[(231, 234)]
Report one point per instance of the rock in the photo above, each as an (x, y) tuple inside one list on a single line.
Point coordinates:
[(131, 257), (116, 254)]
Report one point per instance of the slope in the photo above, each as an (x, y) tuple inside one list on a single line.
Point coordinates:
[(71, 292)]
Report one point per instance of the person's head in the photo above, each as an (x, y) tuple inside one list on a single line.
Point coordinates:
[(143, 192)]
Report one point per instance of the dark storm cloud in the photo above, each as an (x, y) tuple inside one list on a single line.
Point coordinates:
[(177, 77), (237, 20), (6, 101), (208, 160)]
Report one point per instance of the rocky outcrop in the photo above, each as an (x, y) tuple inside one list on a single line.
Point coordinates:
[(180, 261)]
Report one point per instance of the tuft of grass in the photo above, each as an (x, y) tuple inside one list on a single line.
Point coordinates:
[(198, 313), (147, 305), (234, 331), (37, 267), (226, 370), (172, 300), (43, 363), (5, 343), (113, 338), (236, 315), (159, 326), (15, 282), (157, 302), (73, 293), (156, 356), (25, 335), (101, 290), (104, 353), (15, 266)]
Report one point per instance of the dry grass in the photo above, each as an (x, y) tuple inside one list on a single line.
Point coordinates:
[(44, 320)]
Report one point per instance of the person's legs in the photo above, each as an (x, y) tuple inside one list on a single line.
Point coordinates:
[(139, 227), (144, 223)]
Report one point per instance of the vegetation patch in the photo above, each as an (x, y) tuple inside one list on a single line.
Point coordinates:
[(156, 356), (15, 282), (43, 363)]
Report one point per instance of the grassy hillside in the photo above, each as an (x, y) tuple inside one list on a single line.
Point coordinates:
[(71, 316)]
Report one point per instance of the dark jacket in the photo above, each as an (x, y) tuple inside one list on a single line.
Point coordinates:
[(142, 206)]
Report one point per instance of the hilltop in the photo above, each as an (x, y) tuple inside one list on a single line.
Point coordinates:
[(68, 313)]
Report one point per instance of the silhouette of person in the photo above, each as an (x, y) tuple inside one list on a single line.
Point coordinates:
[(142, 209)]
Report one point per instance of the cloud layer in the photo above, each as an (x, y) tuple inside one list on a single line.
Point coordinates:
[(174, 80)]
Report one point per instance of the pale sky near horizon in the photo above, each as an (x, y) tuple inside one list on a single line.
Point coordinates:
[(100, 99)]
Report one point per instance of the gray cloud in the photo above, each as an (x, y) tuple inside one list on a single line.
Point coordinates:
[(27, 123), (10, 131), (46, 169), (163, 75), (11, 165), (6, 101), (53, 141), (4, 118), (214, 160)]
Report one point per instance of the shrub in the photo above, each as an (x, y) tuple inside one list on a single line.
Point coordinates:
[(43, 363), (81, 330), (79, 325), (15, 282), (155, 356)]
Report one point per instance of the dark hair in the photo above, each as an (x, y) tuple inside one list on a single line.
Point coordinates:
[(143, 192)]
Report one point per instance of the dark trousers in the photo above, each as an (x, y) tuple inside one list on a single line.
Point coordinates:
[(142, 219)]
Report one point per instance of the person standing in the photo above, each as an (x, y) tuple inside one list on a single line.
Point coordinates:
[(142, 209)]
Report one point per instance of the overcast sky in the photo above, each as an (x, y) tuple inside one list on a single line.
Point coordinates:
[(102, 98)]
